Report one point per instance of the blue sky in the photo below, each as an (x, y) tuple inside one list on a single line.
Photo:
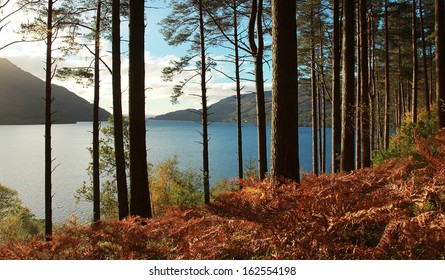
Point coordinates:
[(30, 57)]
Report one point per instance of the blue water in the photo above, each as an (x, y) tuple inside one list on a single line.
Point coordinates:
[(22, 157)]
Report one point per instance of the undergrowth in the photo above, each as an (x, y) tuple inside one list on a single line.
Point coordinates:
[(394, 211)]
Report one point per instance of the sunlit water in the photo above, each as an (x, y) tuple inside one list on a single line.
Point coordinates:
[(22, 157)]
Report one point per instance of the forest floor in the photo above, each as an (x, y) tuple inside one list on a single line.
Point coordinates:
[(394, 211)]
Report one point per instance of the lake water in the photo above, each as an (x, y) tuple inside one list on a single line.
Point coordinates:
[(22, 157)]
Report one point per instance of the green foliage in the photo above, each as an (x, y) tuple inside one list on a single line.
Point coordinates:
[(169, 186), (403, 143), (16, 222)]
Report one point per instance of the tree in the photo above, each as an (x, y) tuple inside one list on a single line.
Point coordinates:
[(440, 62), (415, 78), (336, 93), (364, 89), (314, 94), (257, 51), (139, 188), (348, 83), (96, 124), (284, 139), (424, 59), (387, 80), (199, 35), (121, 178), (48, 123)]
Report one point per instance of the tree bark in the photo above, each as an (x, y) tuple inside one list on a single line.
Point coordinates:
[(415, 79), (440, 62), (48, 123), (387, 82), (424, 59), (238, 92), (121, 178), (96, 171), (365, 112), (257, 51), (348, 96), (314, 103), (284, 150), (205, 138), (140, 195), (336, 93)]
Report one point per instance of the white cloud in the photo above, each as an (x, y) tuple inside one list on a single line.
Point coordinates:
[(31, 58)]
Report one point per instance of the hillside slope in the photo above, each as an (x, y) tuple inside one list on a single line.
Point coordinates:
[(22, 100), (225, 109)]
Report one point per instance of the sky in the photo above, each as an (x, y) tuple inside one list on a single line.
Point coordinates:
[(31, 58)]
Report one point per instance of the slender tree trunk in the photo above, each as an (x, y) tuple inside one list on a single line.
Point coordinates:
[(387, 81), (432, 74), (425, 64), (322, 110), (205, 138), (121, 178), (336, 93), (358, 99), (440, 62), (365, 112), (415, 79), (257, 51), (314, 93), (348, 59), (284, 142), (238, 92), (400, 101), (96, 176), (140, 195), (48, 123)]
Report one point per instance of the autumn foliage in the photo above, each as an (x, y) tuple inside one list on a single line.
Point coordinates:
[(395, 211)]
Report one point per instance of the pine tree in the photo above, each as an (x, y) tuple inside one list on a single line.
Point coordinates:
[(139, 188), (284, 139), (348, 84), (440, 62), (121, 177)]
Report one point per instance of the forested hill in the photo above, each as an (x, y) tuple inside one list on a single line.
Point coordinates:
[(225, 109), (22, 100)]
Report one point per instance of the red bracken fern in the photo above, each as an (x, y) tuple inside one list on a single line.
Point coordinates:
[(395, 211)]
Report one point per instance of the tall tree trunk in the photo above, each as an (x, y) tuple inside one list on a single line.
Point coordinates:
[(140, 195), (365, 112), (336, 93), (348, 96), (284, 142), (424, 56), (205, 138), (48, 123), (121, 178), (238, 92), (257, 51), (387, 81), (440, 62), (400, 101), (314, 102), (96, 171), (358, 99), (415, 79), (322, 110)]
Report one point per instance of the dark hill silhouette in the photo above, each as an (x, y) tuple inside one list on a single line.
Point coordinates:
[(225, 109), (22, 100)]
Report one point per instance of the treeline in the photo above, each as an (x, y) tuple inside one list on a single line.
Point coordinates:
[(379, 63)]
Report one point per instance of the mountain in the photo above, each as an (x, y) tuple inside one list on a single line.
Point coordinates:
[(22, 100), (225, 109)]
